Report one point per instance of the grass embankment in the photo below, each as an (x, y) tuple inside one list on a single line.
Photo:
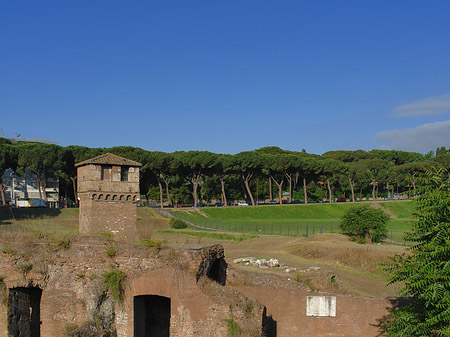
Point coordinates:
[(211, 235), (293, 220), (46, 220)]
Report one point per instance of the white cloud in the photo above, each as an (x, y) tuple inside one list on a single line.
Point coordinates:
[(429, 106), (422, 138)]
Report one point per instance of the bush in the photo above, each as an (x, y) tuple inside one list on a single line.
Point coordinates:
[(177, 223), (113, 281), (364, 222)]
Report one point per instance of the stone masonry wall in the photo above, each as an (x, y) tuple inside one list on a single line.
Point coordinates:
[(73, 291), (116, 217)]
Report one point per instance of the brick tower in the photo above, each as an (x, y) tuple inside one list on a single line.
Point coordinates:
[(108, 189)]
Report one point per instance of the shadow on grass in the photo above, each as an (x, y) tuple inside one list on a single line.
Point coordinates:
[(397, 302), (8, 215)]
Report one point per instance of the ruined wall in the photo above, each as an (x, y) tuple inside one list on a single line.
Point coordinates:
[(355, 316), (73, 291)]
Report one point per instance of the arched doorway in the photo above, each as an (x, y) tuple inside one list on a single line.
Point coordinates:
[(151, 316)]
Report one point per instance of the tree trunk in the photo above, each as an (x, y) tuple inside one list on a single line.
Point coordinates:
[(289, 178), (270, 189), (224, 196), (352, 187), (304, 190), (160, 194), (280, 189), (247, 187), (360, 193), (329, 190), (41, 187), (373, 189), (195, 178), (2, 191), (74, 186), (167, 192), (414, 188)]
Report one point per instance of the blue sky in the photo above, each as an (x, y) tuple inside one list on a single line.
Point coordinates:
[(227, 76)]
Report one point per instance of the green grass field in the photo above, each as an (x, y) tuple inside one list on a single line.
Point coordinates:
[(293, 220), (288, 220), (46, 220)]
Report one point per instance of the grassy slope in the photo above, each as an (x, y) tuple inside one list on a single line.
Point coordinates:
[(285, 219)]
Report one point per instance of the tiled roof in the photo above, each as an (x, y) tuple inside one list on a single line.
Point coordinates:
[(109, 159)]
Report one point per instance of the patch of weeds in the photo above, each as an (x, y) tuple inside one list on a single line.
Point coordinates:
[(81, 275), (234, 330), (309, 283), (177, 223), (153, 243), (106, 235), (110, 251), (298, 277), (70, 328), (139, 218), (25, 267), (39, 234), (249, 308), (175, 259), (113, 282), (63, 242), (92, 277), (3, 297), (9, 251)]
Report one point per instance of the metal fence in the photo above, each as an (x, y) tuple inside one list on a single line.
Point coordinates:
[(295, 230)]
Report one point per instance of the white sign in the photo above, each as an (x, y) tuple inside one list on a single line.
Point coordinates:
[(322, 306)]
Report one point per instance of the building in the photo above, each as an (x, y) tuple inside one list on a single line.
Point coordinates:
[(108, 190), (26, 187)]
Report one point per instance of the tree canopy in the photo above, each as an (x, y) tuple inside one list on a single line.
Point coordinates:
[(425, 272)]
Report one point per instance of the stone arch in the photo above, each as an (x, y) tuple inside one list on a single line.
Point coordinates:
[(114, 197), (94, 196), (128, 197), (100, 196), (108, 196), (134, 198), (121, 197)]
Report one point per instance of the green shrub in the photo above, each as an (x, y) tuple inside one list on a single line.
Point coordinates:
[(110, 251), (25, 267), (234, 330), (364, 222), (177, 223), (113, 281)]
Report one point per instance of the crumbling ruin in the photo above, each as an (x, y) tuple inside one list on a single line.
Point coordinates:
[(168, 291)]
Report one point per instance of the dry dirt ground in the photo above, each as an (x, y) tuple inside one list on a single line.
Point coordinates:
[(356, 269)]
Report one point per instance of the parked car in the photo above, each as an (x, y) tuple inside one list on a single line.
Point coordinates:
[(219, 204), (273, 202), (341, 199), (297, 202), (32, 202), (242, 203), (284, 201)]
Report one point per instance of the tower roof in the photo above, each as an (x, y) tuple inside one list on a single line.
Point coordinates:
[(109, 159)]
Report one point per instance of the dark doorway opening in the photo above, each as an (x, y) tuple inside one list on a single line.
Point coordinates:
[(24, 315), (218, 271), (151, 316), (269, 325)]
